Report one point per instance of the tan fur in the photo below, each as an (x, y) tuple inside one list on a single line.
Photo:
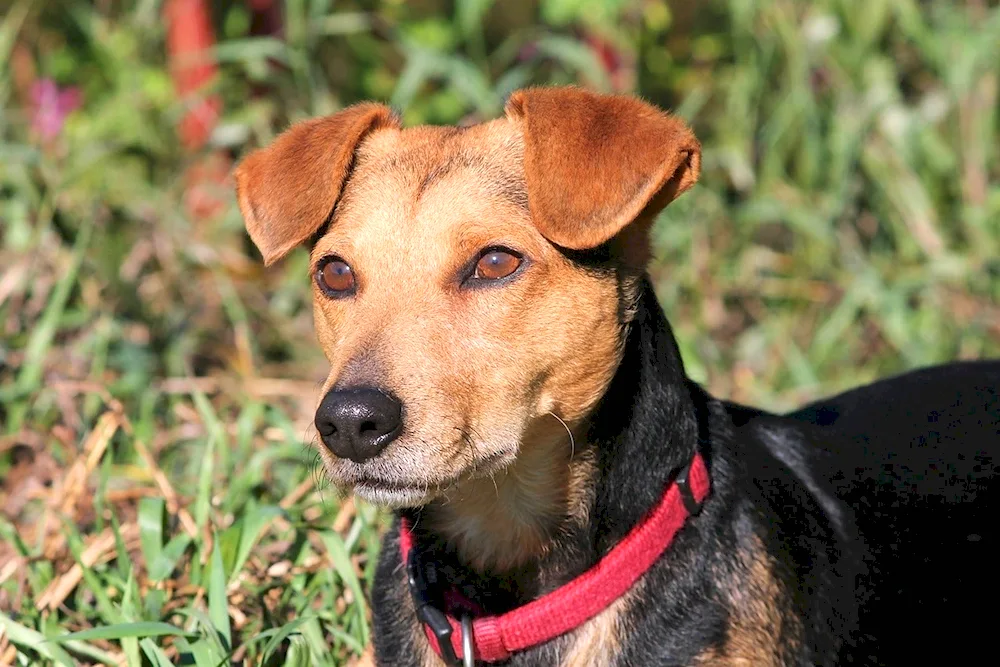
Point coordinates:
[(287, 191), (756, 624), (478, 370), (506, 520), (615, 153), (489, 378), (597, 639)]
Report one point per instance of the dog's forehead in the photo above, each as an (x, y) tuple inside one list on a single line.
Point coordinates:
[(419, 182), (416, 160), (417, 149)]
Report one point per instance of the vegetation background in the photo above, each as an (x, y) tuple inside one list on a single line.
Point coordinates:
[(158, 498)]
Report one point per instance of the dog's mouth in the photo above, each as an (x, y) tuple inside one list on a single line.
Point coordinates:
[(393, 490), (393, 495)]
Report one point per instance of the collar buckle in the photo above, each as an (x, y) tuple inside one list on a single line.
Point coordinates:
[(683, 482), (430, 616)]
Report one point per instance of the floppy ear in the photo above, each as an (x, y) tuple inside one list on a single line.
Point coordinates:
[(594, 162), (288, 190)]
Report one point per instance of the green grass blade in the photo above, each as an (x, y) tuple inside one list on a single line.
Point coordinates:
[(154, 653), (203, 651), (254, 524), (216, 440), (281, 634), (123, 630), (27, 638), (45, 331), (345, 569), (166, 561), (151, 516), (218, 605)]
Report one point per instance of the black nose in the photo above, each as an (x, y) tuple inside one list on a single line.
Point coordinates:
[(358, 423)]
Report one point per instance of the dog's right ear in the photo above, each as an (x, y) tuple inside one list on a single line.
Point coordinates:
[(593, 163), (287, 191)]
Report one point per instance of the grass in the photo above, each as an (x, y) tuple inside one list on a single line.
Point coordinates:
[(160, 502)]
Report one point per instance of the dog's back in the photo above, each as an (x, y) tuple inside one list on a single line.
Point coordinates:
[(913, 456)]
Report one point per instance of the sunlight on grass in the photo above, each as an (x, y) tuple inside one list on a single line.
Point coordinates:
[(160, 502)]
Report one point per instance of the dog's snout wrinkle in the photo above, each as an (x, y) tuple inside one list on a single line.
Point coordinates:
[(358, 423)]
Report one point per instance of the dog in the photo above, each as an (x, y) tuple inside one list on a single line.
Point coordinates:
[(503, 378)]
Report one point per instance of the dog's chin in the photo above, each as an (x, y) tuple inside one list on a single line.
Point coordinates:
[(394, 496), (389, 487)]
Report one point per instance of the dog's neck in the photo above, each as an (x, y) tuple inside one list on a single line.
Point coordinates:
[(561, 506), (646, 427), (506, 521)]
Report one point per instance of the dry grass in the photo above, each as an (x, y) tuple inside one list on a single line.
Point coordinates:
[(158, 495)]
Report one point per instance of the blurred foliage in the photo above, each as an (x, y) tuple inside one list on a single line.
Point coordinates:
[(847, 217), (847, 226)]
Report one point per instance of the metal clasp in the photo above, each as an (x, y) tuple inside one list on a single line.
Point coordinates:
[(468, 645)]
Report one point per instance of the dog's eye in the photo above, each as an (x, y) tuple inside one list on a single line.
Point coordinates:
[(335, 277), (496, 264)]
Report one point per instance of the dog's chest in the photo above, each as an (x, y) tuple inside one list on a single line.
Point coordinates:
[(598, 639)]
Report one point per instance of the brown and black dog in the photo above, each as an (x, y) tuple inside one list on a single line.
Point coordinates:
[(503, 377)]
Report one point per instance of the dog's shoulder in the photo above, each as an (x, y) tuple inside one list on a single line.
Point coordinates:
[(779, 462), (772, 530)]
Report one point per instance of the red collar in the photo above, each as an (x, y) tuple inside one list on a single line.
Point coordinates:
[(494, 638)]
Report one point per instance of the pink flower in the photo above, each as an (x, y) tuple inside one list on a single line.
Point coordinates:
[(50, 107)]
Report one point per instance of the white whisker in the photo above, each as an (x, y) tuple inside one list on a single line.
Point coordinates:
[(572, 441)]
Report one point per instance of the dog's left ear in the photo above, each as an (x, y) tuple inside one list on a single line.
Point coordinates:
[(594, 163)]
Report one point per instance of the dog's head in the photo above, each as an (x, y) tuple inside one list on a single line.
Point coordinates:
[(471, 286)]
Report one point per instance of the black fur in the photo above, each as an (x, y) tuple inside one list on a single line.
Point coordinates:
[(871, 508)]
